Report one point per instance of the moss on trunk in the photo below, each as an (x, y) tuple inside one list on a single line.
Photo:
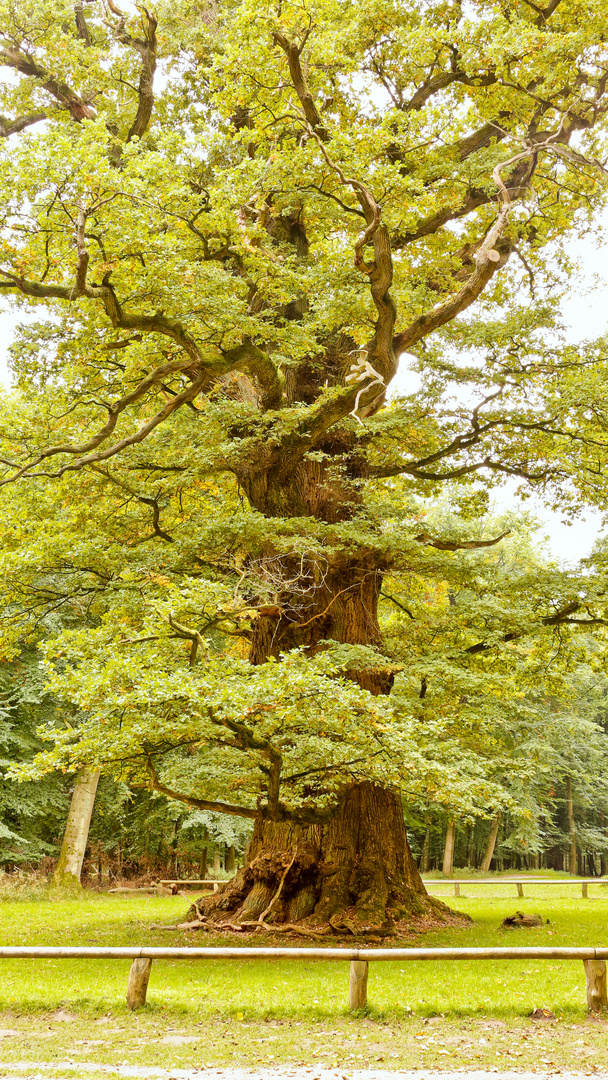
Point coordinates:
[(355, 875)]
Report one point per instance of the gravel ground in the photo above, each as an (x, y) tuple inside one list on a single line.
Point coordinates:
[(65, 1070)]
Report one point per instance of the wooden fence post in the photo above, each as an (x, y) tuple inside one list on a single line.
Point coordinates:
[(138, 983), (357, 995), (585, 889), (520, 889), (595, 974), (456, 888)]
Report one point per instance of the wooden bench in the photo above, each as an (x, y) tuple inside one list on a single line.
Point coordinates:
[(206, 882), (359, 959)]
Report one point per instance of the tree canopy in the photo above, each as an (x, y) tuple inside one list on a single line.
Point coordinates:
[(271, 586)]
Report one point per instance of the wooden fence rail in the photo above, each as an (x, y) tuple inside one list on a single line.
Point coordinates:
[(518, 882), (430, 882), (359, 959)]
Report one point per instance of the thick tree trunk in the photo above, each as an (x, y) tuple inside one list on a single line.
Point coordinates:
[(448, 852), (355, 875), (68, 869), (487, 859)]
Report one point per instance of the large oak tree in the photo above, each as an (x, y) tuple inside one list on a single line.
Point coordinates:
[(239, 218)]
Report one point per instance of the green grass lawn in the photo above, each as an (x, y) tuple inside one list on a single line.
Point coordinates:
[(421, 1014)]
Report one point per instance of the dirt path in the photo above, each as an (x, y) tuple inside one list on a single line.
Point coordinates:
[(67, 1070)]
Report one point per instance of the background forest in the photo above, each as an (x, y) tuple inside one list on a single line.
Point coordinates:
[(541, 762)]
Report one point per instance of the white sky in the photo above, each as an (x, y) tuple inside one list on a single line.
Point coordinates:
[(585, 312)]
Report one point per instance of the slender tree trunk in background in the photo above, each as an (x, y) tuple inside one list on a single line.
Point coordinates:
[(571, 825), (202, 865), (425, 854), (471, 848), (69, 866), (216, 861), (448, 851), (229, 860), (174, 849), (487, 859)]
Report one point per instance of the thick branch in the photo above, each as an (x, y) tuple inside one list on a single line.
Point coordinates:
[(439, 82), (293, 53), (258, 364), (30, 468), (490, 258), (63, 94), (149, 323), (302, 817), (560, 618), (411, 469), (145, 90), (201, 804), (458, 545), (518, 183), (81, 23), (12, 127), (379, 351)]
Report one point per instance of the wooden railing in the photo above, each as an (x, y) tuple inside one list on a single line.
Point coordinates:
[(359, 959), (430, 882), (518, 882)]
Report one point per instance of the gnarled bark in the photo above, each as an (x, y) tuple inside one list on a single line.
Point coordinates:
[(355, 875)]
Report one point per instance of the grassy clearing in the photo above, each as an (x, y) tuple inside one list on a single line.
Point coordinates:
[(426, 1014)]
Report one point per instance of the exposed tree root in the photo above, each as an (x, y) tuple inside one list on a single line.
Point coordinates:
[(352, 878), (245, 927)]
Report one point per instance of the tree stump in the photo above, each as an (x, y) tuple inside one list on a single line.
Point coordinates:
[(595, 974), (138, 983), (357, 997)]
